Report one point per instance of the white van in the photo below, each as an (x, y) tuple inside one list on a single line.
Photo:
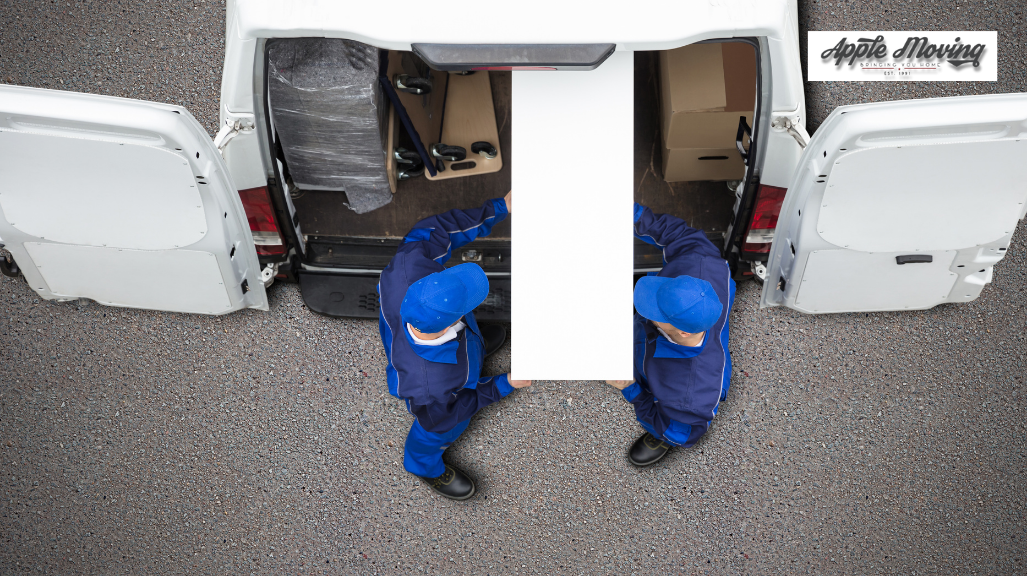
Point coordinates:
[(891, 206)]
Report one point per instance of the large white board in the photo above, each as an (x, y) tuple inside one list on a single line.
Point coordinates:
[(572, 258)]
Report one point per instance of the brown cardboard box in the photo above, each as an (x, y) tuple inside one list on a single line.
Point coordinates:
[(684, 164), (704, 90), (707, 130), (739, 76)]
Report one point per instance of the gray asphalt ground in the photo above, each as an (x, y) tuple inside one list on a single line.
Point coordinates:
[(149, 443)]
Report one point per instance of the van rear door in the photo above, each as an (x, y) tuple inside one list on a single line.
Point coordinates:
[(901, 205), (124, 202)]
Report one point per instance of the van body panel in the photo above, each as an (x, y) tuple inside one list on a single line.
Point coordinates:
[(655, 25), (917, 199), (141, 212)]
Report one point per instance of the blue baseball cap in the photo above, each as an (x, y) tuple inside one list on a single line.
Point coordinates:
[(686, 303), (438, 300)]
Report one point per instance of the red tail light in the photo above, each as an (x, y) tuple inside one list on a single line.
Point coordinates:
[(764, 219), (261, 216)]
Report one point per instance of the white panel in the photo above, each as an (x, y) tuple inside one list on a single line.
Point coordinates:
[(652, 25), (85, 191), (172, 280), (572, 230), (941, 176), (91, 174), (242, 155), (237, 79), (925, 197), (847, 281)]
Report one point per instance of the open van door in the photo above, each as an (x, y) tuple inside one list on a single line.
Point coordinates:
[(125, 202), (901, 205)]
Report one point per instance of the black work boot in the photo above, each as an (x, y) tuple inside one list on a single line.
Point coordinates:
[(453, 484), (647, 450), (494, 337)]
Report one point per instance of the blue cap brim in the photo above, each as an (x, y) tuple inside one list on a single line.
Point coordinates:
[(645, 297)]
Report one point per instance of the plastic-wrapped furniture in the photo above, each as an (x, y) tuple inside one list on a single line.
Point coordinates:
[(331, 117)]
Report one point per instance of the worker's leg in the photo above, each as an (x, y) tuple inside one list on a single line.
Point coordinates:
[(652, 446), (677, 434), (422, 455)]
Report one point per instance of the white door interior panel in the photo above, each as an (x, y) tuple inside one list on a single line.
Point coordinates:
[(848, 281), (945, 177), (573, 309), (124, 202), (57, 171), (173, 280), (923, 205)]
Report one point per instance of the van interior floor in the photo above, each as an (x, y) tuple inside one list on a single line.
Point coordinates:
[(324, 213), (703, 205)]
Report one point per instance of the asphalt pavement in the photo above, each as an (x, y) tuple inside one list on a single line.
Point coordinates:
[(144, 442)]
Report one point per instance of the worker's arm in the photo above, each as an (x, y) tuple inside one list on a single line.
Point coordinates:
[(436, 237), (657, 423), (464, 403), (671, 234)]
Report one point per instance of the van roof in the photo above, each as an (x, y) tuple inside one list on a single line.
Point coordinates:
[(645, 25)]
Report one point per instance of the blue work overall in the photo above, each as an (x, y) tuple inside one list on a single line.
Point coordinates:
[(677, 389), (442, 385)]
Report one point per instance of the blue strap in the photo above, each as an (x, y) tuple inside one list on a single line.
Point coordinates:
[(401, 111)]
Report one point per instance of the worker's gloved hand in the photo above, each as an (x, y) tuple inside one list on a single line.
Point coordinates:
[(520, 383), (620, 384), (509, 200)]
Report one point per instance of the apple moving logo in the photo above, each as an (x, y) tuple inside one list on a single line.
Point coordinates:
[(918, 47)]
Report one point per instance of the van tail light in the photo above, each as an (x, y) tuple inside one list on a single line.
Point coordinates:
[(261, 216), (764, 219)]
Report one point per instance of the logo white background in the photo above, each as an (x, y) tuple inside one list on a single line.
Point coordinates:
[(940, 58)]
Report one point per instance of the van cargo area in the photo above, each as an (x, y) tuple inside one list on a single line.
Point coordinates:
[(353, 210), (325, 213)]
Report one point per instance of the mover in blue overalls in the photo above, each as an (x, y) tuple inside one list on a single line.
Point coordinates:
[(434, 346), (682, 364)]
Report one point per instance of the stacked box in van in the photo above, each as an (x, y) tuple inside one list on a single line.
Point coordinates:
[(705, 88)]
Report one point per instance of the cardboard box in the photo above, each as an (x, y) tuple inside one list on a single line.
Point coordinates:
[(707, 130), (704, 89), (687, 164)]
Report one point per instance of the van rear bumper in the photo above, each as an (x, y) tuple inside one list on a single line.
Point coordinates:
[(340, 275), (356, 295)]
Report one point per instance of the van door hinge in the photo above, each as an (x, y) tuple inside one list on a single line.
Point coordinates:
[(232, 126), (797, 132), (267, 275)]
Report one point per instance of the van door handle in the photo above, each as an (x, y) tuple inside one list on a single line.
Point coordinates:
[(743, 130), (914, 259)]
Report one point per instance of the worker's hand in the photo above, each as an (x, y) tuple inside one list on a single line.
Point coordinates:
[(520, 383), (620, 384), (509, 200)]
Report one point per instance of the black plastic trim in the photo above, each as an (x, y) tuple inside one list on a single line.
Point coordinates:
[(743, 130), (649, 257), (732, 250), (914, 259), (275, 192), (374, 254), (8, 267), (356, 296), (467, 57)]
